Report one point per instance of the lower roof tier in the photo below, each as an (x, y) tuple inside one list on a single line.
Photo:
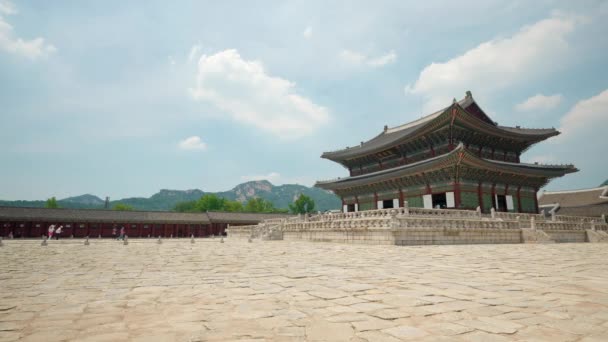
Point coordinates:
[(460, 163)]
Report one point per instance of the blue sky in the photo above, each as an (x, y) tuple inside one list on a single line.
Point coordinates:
[(120, 99)]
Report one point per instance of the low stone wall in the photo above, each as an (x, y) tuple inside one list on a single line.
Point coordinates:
[(456, 236), (567, 235), (370, 237)]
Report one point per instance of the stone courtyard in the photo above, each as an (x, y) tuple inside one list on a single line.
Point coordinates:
[(291, 291)]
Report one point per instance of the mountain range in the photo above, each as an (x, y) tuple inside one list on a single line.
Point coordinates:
[(281, 196)]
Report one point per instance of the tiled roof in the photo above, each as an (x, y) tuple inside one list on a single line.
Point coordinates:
[(96, 215), (231, 217), (575, 198), (391, 136), (536, 170)]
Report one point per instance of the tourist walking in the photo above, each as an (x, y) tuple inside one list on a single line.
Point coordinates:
[(58, 232), (122, 233), (114, 232), (51, 231)]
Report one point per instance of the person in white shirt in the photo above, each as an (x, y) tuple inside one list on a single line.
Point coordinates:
[(58, 232), (51, 231)]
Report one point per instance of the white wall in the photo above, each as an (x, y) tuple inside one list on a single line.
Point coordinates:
[(449, 196), (428, 201)]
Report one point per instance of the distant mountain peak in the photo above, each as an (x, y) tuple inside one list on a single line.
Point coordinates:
[(166, 199), (86, 199)]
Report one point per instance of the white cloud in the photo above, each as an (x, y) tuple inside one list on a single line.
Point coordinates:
[(7, 7), (540, 102), (389, 58), (356, 58), (587, 119), (31, 49), (497, 63), (244, 90), (307, 32), (195, 51), (171, 60), (272, 177), (192, 143)]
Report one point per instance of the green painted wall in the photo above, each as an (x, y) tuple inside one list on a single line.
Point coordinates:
[(487, 202), (527, 204), (366, 206), (415, 201), (468, 200)]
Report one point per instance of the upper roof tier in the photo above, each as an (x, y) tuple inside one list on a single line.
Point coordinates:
[(467, 108), (535, 174)]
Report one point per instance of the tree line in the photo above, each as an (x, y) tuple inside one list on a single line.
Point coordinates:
[(210, 202)]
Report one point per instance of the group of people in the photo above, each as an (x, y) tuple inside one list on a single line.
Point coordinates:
[(55, 232), (122, 233)]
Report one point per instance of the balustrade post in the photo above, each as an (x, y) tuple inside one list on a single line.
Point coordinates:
[(406, 208), (553, 216), (532, 223), (493, 213)]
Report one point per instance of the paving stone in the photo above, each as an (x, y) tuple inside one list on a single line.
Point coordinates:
[(405, 332), (285, 291)]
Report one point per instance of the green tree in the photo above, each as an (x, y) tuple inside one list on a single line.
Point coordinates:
[(302, 205), (185, 207), (122, 207), (259, 205), (209, 202), (233, 206), (51, 203)]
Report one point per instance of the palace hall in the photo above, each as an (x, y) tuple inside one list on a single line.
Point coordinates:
[(457, 157)]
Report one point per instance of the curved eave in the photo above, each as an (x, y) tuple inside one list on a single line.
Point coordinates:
[(459, 155), (388, 139)]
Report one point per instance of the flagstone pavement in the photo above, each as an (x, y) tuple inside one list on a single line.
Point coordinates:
[(301, 291)]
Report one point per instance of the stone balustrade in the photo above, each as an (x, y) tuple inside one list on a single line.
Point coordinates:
[(405, 222), (345, 224), (423, 226)]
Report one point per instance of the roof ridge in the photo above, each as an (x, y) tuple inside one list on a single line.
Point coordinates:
[(605, 188)]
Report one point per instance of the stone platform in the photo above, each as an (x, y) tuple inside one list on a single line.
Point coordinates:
[(300, 291)]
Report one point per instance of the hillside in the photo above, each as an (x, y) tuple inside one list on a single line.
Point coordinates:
[(281, 196)]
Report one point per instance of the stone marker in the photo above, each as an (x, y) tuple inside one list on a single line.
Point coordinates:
[(99, 237), (478, 209), (159, 240), (126, 240), (172, 236), (86, 241), (604, 218), (493, 213), (192, 239), (44, 241), (222, 240)]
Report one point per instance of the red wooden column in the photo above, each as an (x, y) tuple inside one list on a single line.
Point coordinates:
[(401, 199), (457, 194)]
